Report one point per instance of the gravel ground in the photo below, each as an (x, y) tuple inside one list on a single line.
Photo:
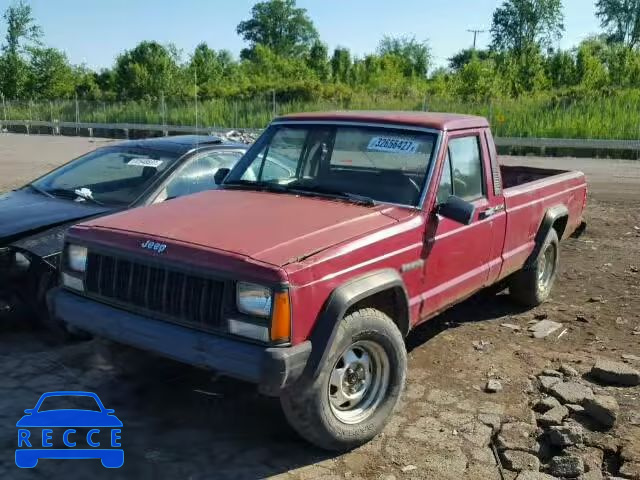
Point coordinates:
[(182, 423)]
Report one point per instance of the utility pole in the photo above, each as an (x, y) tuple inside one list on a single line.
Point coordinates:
[(475, 35)]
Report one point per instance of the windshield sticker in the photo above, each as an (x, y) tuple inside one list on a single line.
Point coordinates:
[(145, 162), (393, 145)]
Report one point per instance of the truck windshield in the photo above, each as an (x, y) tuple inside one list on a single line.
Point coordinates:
[(355, 162), (111, 176)]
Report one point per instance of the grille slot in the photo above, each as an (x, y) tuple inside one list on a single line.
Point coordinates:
[(170, 294)]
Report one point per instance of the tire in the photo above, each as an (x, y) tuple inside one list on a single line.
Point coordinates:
[(328, 423), (532, 285)]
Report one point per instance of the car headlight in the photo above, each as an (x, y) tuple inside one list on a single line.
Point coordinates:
[(77, 258), (253, 299)]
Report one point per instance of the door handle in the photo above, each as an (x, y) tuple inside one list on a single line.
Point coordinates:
[(490, 212)]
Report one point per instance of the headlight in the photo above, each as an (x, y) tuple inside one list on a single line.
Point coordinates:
[(253, 299), (77, 258), (21, 261)]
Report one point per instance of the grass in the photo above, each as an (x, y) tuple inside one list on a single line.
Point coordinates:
[(605, 117)]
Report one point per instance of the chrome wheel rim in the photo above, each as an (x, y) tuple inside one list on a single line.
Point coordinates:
[(546, 267), (358, 382)]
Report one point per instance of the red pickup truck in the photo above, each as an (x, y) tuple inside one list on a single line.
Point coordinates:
[(333, 237)]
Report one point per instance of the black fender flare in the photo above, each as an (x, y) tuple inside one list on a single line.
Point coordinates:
[(345, 296), (550, 217)]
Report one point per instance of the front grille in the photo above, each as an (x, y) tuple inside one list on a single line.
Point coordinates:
[(172, 295)]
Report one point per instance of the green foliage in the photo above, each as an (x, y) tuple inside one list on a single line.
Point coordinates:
[(148, 71), (621, 19), (318, 60), (22, 32), (463, 57), (50, 75), (279, 25), (413, 57), (522, 85), (520, 24)]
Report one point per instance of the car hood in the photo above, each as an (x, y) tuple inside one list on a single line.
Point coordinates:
[(24, 212), (270, 227), (69, 418)]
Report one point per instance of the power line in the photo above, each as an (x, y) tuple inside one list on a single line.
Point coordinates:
[(475, 35)]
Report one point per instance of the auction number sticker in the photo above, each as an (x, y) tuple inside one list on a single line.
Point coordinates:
[(145, 162), (393, 145)]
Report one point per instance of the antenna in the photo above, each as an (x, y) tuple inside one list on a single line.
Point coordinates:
[(475, 35), (195, 97)]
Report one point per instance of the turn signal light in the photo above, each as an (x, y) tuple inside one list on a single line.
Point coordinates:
[(281, 319)]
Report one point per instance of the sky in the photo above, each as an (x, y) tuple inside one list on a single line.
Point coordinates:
[(94, 32)]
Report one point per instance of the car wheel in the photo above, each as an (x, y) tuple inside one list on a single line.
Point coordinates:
[(532, 285), (356, 391)]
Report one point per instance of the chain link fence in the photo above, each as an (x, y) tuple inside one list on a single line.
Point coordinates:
[(603, 118)]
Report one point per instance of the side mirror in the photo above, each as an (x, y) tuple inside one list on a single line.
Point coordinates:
[(109, 411), (29, 411), (457, 210), (220, 175)]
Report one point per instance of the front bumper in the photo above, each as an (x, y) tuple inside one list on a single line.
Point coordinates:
[(272, 369)]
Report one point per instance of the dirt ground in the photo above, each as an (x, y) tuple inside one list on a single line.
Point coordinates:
[(182, 423)]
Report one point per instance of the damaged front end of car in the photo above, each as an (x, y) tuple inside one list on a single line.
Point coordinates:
[(28, 269)]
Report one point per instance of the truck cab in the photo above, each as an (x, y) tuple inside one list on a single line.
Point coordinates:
[(333, 237)]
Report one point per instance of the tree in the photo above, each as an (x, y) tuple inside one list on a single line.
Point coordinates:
[(209, 65), (415, 55), (50, 75), (341, 64), (22, 33), (561, 69), (279, 25), (621, 19), (520, 24), (318, 60), (147, 71), (463, 57)]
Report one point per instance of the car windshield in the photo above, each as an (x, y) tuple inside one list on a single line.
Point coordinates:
[(111, 176), (69, 402), (371, 163)]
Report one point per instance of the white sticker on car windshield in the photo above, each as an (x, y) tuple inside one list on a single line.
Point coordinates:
[(145, 162), (393, 145)]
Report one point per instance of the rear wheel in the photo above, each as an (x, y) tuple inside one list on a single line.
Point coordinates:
[(532, 285), (353, 396)]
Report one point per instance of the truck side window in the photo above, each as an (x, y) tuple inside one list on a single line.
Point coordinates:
[(445, 190), (466, 166)]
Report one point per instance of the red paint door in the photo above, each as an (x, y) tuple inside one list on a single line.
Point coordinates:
[(458, 258)]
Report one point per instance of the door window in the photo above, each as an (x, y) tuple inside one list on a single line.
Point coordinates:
[(462, 173), (198, 174)]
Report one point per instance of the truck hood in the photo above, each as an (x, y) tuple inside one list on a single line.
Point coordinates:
[(274, 228), (25, 212)]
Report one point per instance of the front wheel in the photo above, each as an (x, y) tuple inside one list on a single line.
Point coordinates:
[(532, 285), (354, 395)]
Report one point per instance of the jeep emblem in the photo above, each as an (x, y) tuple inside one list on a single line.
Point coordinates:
[(156, 247)]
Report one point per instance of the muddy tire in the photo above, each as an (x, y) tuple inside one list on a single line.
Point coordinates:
[(357, 389), (532, 285)]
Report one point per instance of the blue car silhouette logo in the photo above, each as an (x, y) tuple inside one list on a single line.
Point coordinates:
[(32, 446)]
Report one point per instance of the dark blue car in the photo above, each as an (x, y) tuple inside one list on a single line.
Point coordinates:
[(30, 450), (113, 178)]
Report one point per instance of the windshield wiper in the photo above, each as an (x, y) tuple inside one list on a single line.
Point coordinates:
[(41, 191), (260, 186), (74, 195), (300, 189), (322, 190)]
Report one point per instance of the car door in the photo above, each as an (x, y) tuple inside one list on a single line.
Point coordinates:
[(197, 174), (457, 256)]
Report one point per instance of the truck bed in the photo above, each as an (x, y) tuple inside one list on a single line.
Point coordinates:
[(530, 192), (513, 176)]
